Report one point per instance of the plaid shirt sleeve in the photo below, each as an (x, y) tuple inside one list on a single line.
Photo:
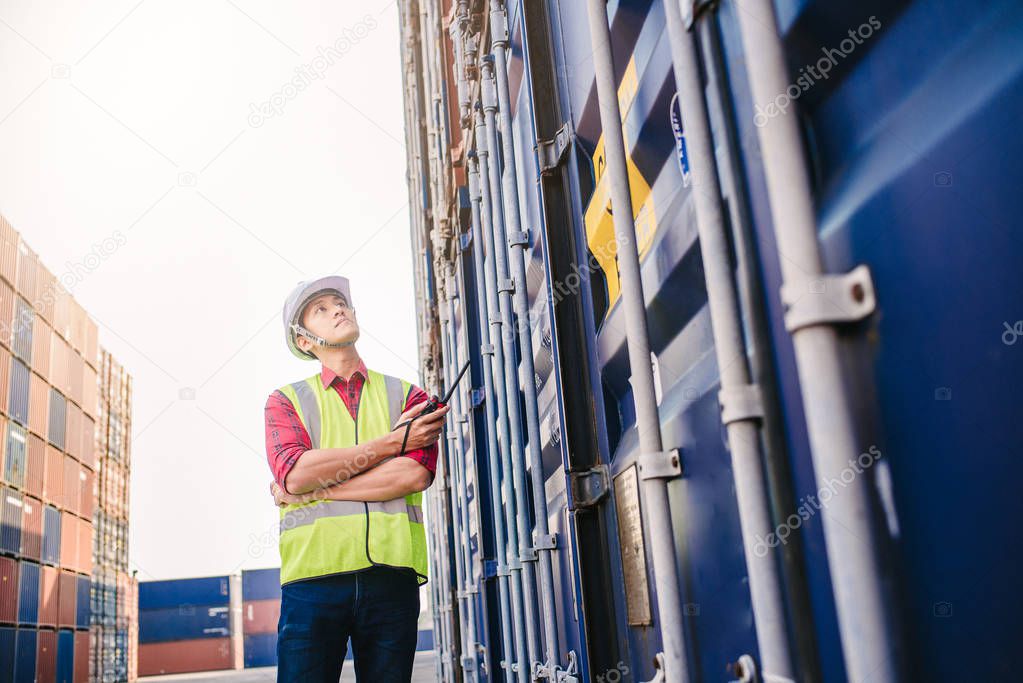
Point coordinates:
[(427, 457), (286, 437)]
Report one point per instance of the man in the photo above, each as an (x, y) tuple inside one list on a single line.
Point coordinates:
[(353, 546)]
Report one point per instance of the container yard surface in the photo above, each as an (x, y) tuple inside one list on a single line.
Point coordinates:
[(424, 672)]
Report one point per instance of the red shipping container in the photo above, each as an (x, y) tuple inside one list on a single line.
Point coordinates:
[(90, 392), (53, 476), (86, 492), (46, 657), (67, 598), (91, 350), (184, 656), (35, 460), (6, 313), (81, 657), (8, 590), (84, 546), (72, 484), (27, 262), (41, 348), (88, 449), (260, 616), (46, 284), (32, 528), (48, 607), (68, 540), (38, 404), (77, 375)]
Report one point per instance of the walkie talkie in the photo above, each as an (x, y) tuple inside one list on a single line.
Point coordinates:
[(432, 405)]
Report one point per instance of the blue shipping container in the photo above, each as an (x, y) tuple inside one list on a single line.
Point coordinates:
[(260, 650), (28, 593), (24, 318), (65, 656), (261, 584), (10, 514), (184, 623), (17, 400), (14, 458), (83, 609), (424, 640), (58, 418), (7, 638), (209, 590), (51, 535), (25, 656)]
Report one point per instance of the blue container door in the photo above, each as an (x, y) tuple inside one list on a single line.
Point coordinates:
[(24, 317), (25, 656), (209, 590), (65, 656), (10, 511), (83, 610), (51, 535), (261, 584), (260, 650), (28, 594), (17, 400), (183, 623), (7, 636)]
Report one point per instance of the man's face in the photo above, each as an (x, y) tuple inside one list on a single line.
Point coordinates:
[(330, 317)]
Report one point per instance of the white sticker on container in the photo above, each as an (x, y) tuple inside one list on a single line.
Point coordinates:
[(14, 501), (18, 436)]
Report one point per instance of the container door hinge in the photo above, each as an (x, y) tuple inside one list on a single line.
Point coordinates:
[(660, 465), (741, 403), (487, 349), (659, 668), (506, 285), (829, 299), (469, 663), (550, 671), (551, 153), (588, 487), (519, 239)]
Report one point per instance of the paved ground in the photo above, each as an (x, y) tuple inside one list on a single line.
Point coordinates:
[(423, 673)]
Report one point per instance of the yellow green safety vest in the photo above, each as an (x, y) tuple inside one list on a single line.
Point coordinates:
[(326, 537)]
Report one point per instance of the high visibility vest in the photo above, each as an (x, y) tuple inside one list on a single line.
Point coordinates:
[(326, 537)]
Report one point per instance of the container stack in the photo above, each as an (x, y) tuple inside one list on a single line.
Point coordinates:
[(261, 609), (48, 371), (113, 621), (185, 626)]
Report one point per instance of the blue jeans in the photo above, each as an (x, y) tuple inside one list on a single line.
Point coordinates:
[(377, 608)]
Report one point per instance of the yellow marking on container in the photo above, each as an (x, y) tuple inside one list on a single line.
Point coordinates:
[(598, 217)]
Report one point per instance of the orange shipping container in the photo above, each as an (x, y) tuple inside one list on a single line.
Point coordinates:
[(184, 656), (5, 376), (91, 350), (41, 348), (46, 657), (73, 431), (38, 404), (77, 379), (32, 528), (48, 596), (84, 547), (72, 484), (68, 541), (46, 284), (53, 476), (35, 465), (8, 251), (88, 448), (61, 311), (87, 493), (90, 392), (67, 593), (59, 353), (27, 261)]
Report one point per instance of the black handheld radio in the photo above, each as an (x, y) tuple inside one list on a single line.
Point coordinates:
[(432, 405)]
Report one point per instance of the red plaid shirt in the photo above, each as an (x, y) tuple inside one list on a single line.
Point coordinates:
[(287, 438)]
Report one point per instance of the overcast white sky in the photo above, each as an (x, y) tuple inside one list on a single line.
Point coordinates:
[(136, 117)]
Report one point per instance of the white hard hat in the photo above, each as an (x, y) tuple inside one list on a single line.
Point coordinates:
[(295, 304)]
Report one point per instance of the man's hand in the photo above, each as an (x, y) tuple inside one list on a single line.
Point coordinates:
[(282, 497), (425, 430)]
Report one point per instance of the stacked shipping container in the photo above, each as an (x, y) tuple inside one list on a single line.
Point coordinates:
[(186, 625), (114, 605), (261, 609), (48, 370)]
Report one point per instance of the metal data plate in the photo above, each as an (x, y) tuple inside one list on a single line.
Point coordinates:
[(630, 539)]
